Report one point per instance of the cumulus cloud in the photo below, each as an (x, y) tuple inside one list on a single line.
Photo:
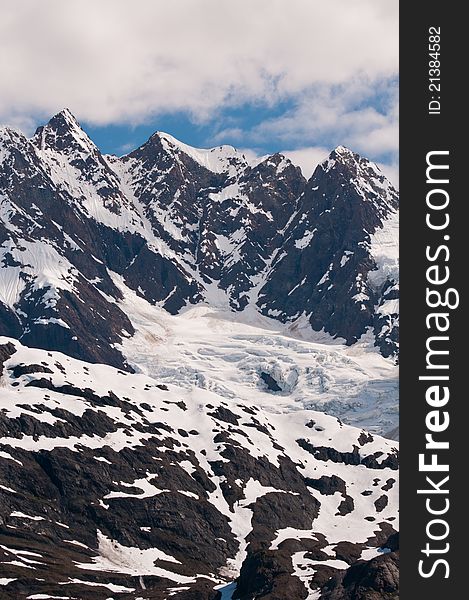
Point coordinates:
[(392, 173), (118, 61), (359, 113), (327, 71)]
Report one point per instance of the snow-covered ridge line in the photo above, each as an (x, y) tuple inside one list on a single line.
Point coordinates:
[(182, 226), (217, 159)]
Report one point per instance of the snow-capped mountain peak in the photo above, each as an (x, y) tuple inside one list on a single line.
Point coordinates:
[(183, 225), (220, 159), (364, 175), (8, 134), (63, 133), (11, 140)]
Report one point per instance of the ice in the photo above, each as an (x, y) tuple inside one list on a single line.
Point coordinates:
[(21, 515), (114, 557), (227, 193), (4, 454), (290, 533), (227, 590), (389, 307), (8, 489), (225, 352), (75, 543), (304, 569), (11, 285), (325, 277), (384, 248), (217, 159), (305, 240), (370, 553), (345, 258), (110, 586), (47, 597), (43, 267), (52, 320), (148, 489), (215, 340)]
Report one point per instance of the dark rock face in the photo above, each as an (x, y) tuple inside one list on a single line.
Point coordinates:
[(57, 254), (377, 579), (328, 485), (270, 382), (118, 486), (386, 326), (322, 268), (6, 351), (351, 458), (10, 325), (348, 552), (265, 575), (177, 225)]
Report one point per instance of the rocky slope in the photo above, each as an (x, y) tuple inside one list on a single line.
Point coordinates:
[(115, 485)]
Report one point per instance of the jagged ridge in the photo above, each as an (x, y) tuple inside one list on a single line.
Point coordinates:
[(182, 225)]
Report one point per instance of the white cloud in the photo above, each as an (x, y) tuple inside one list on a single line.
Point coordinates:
[(334, 115), (391, 172), (119, 61), (126, 148), (307, 158)]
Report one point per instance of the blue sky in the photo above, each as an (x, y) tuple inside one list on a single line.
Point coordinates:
[(121, 138), (288, 126), (296, 76)]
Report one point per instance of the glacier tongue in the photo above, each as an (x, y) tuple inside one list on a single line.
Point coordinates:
[(227, 353)]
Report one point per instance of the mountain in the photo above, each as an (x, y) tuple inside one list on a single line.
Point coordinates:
[(198, 373), (329, 266), (183, 226), (115, 485)]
